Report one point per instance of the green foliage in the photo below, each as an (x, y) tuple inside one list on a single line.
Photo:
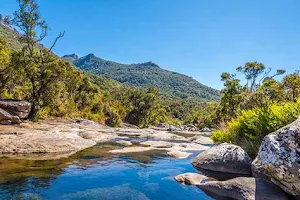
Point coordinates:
[(258, 108), (292, 84), (231, 95), (11, 37), (170, 84), (202, 116), (260, 90), (250, 127), (251, 70), (142, 107), (4, 53)]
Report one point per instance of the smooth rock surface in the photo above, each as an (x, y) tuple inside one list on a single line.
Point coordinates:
[(16, 107), (279, 158), (158, 144), (64, 137), (6, 118), (226, 158), (199, 139), (132, 150), (243, 188), (178, 154), (191, 178), (43, 142), (124, 142), (206, 129)]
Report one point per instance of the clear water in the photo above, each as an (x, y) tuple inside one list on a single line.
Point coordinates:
[(96, 174)]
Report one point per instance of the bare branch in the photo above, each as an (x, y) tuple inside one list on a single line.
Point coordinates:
[(61, 34), (264, 76)]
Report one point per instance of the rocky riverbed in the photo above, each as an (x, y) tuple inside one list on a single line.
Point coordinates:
[(274, 174), (57, 138), (225, 170)]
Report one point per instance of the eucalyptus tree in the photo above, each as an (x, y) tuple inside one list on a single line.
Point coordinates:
[(40, 66), (292, 84)]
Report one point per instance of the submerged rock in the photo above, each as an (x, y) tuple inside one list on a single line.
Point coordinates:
[(224, 158), (132, 150), (113, 193), (191, 178), (243, 188), (178, 154), (199, 139), (158, 144), (279, 158)]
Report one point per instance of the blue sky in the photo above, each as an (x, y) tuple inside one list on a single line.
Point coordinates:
[(199, 38)]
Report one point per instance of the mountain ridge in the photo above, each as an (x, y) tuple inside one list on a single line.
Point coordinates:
[(171, 84)]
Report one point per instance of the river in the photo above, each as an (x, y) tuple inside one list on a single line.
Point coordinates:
[(94, 173)]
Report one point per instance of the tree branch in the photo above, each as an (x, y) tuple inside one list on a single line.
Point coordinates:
[(61, 34)]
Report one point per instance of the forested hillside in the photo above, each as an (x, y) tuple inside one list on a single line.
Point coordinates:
[(170, 84), (57, 89)]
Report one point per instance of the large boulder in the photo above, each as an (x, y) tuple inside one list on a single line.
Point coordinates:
[(16, 107), (243, 188), (6, 118), (188, 127), (205, 129), (173, 128), (226, 158), (279, 158)]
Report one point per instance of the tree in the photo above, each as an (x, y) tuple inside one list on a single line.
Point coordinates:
[(251, 70), (254, 72), (292, 84), (39, 64), (142, 106), (231, 95)]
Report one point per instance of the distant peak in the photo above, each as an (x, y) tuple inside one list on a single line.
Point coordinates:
[(91, 55), (74, 56), (150, 64)]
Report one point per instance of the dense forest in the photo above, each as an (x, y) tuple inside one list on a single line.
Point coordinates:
[(249, 109)]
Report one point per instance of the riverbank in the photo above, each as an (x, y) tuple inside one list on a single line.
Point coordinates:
[(58, 138)]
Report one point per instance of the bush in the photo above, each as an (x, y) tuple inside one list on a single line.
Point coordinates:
[(251, 126)]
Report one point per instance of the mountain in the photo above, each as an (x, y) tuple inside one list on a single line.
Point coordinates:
[(11, 36), (171, 84)]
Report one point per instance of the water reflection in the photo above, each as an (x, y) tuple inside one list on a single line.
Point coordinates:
[(113, 193), (94, 173)]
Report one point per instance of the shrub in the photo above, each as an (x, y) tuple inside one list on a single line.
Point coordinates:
[(251, 126)]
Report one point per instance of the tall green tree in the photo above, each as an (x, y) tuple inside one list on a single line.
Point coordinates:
[(142, 106), (256, 73), (231, 95), (39, 64), (292, 84)]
